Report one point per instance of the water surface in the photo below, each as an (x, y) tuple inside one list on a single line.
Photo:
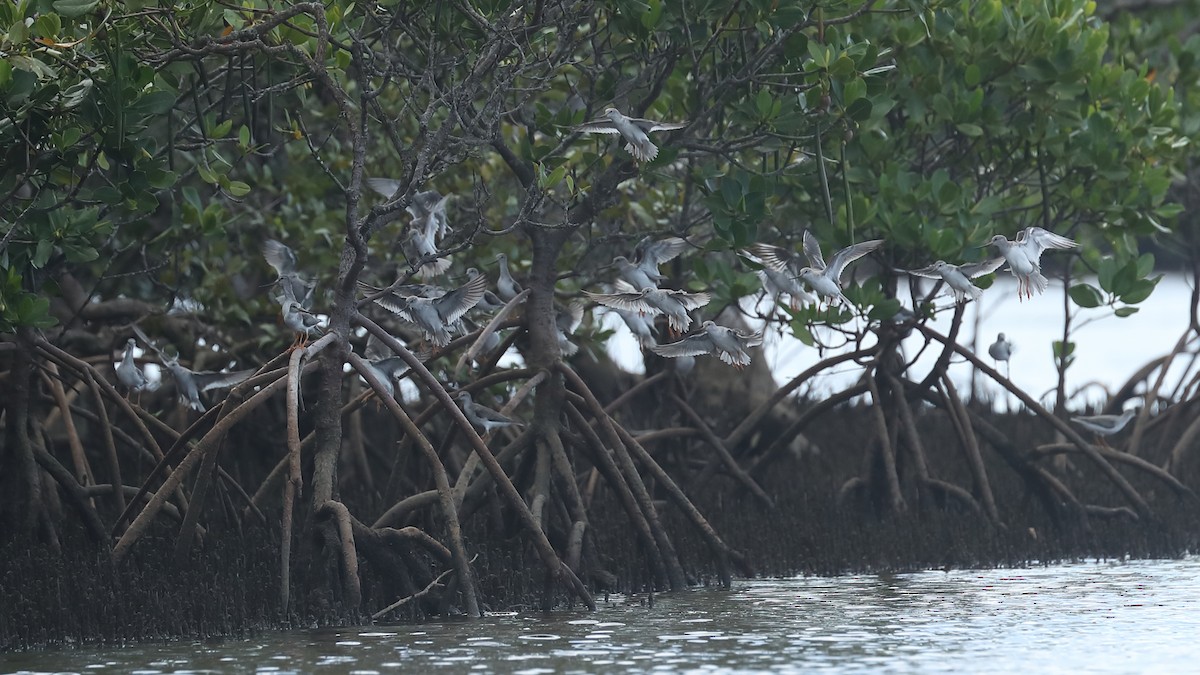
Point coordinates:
[(1115, 617)]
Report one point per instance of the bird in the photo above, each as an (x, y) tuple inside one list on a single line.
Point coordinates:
[(300, 320), (189, 383), (388, 370), (1024, 256), (632, 274), (506, 287), (721, 341), (482, 417), (1105, 425), (958, 277), (434, 315), (566, 320), (825, 279), (672, 303), (428, 208), (420, 247), (633, 129), (775, 282), (281, 257), (642, 329), (1002, 350), (490, 301), (128, 373)]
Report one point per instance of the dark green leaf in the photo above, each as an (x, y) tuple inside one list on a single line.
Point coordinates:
[(1086, 295)]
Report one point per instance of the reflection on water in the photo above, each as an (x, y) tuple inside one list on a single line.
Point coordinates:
[(1097, 617)]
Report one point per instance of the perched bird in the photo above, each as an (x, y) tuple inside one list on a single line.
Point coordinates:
[(128, 373), (672, 303), (723, 342), (482, 417), (281, 257), (299, 320), (434, 315), (420, 248), (1105, 425), (389, 371), (490, 301), (1001, 350), (825, 279), (634, 130), (189, 383), (506, 287), (958, 277), (1024, 256)]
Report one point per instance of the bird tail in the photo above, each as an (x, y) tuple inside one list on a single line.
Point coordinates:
[(645, 151), (435, 268), (975, 293), (1038, 282)]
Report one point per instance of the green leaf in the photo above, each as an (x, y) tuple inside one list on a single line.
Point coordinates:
[(1145, 265), (244, 136), (42, 254), (74, 8), (75, 94), (652, 14), (859, 110), (1086, 295), (1125, 311), (972, 75), (237, 188), (967, 129), (1141, 289)]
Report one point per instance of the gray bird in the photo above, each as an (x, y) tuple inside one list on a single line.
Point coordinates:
[(291, 284), (1002, 350), (434, 316), (566, 321), (482, 417), (721, 341), (1024, 257), (490, 301), (958, 277), (428, 208), (633, 129), (128, 373), (189, 383), (303, 323), (648, 255), (672, 303), (822, 278), (389, 371), (637, 323), (1105, 425), (506, 287)]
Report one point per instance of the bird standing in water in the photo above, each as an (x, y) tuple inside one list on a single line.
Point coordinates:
[(1001, 350)]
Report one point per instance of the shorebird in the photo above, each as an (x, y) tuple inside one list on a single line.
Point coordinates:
[(637, 323), (128, 373), (506, 287), (303, 323), (822, 278), (1002, 350), (434, 315), (1024, 256), (189, 383), (1105, 425), (721, 341), (674, 304), (281, 257), (958, 277), (633, 129), (482, 417), (428, 208)]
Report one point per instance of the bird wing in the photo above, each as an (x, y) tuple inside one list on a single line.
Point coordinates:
[(975, 270), (626, 298), (1035, 240), (930, 272), (692, 345), (775, 257), (689, 301), (390, 366), (208, 379), (749, 340), (853, 252), (280, 257), (812, 250), (569, 319), (384, 186), (652, 125), (658, 252), (396, 304), (601, 125), (454, 304)]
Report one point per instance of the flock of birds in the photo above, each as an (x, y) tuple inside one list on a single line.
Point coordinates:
[(636, 295)]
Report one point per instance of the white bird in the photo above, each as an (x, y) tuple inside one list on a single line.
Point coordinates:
[(566, 320), (189, 383), (420, 247), (633, 129), (506, 287), (637, 323), (435, 315), (672, 303), (1002, 350), (281, 257), (482, 417), (1024, 256), (825, 279), (958, 277), (777, 282), (1105, 425), (428, 208), (298, 319), (128, 373), (723, 342)]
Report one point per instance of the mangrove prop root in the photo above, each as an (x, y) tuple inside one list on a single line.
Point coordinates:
[(723, 452)]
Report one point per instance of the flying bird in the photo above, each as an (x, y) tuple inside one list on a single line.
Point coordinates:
[(482, 417), (566, 321), (1024, 256), (434, 315), (823, 278), (633, 130), (637, 323), (189, 383), (721, 341), (291, 284), (958, 277), (672, 303)]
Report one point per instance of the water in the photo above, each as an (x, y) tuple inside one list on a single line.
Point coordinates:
[(1114, 617)]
